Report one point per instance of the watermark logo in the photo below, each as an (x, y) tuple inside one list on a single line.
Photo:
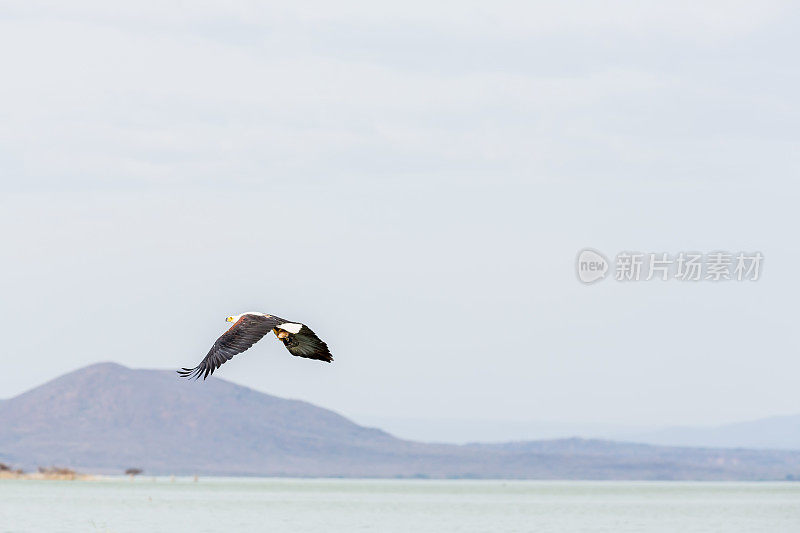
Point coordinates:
[(684, 266), (592, 265)]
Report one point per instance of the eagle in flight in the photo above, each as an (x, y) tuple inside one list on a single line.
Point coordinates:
[(247, 329)]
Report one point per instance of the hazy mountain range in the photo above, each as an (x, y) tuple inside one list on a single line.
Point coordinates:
[(779, 432), (105, 418)]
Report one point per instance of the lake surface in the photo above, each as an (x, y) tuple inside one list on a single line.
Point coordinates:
[(419, 506)]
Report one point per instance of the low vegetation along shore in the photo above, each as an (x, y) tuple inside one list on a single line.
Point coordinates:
[(49, 473)]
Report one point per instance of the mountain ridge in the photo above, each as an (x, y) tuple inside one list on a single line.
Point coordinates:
[(780, 432), (106, 417)]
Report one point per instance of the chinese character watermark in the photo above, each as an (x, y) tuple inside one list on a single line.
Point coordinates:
[(689, 266), (715, 266), (629, 266)]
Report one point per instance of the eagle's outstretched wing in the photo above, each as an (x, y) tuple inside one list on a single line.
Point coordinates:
[(244, 333), (305, 343)]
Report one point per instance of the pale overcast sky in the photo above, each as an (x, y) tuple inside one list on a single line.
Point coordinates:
[(413, 180)]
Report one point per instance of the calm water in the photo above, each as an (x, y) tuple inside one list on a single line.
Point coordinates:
[(293, 505)]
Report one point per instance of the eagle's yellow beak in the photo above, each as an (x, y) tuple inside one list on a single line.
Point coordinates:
[(229, 319)]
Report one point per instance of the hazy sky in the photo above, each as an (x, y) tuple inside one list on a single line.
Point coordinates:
[(413, 180)]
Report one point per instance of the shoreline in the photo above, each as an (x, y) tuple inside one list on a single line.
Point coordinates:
[(47, 476)]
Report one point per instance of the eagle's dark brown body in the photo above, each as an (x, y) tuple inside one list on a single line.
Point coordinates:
[(249, 329)]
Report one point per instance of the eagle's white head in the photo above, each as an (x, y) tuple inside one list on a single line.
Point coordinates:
[(234, 318)]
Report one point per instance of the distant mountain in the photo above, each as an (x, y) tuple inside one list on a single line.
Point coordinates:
[(774, 433), (105, 418), (778, 432)]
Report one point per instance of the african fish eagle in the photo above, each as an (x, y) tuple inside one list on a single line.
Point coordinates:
[(247, 329)]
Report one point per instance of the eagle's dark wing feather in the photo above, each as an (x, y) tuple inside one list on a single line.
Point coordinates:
[(242, 335), (305, 343)]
